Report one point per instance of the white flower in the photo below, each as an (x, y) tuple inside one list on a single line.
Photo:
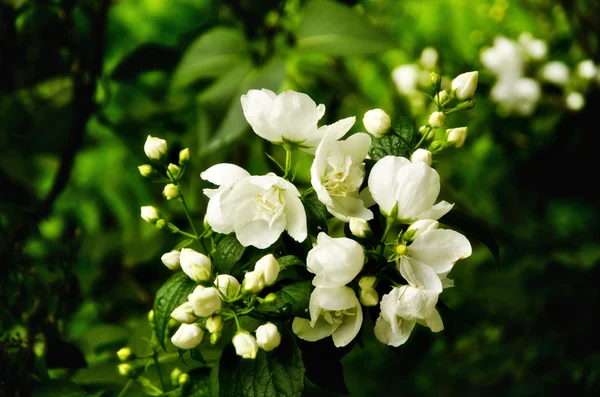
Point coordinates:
[(413, 186), (268, 267), (575, 101), (359, 227), (334, 312), (205, 300), (556, 72), (456, 136), (224, 175), (439, 248), (155, 148), (184, 313), (171, 260), (268, 336), (519, 96), (419, 227), (437, 119), (288, 117), (406, 78), (227, 285), (504, 59), (423, 155), (377, 122), (429, 58), (338, 171), (260, 208), (535, 49), (464, 85), (245, 345), (188, 336), (196, 265), (334, 261), (184, 156), (149, 214), (587, 69), (171, 191)]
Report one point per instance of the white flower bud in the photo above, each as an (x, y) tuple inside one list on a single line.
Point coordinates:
[(575, 101), (367, 282), (586, 69), (227, 285), (147, 171), (184, 313), (556, 73), (359, 227), (419, 227), (171, 260), (205, 301), (245, 345), (214, 324), (377, 122), (155, 148), (184, 156), (254, 282), (423, 155), (124, 354), (188, 336), (442, 97), (171, 191), (456, 136), (464, 85), (126, 370), (429, 58), (150, 214), (268, 336), (437, 119), (369, 298), (174, 170), (196, 265), (269, 267)]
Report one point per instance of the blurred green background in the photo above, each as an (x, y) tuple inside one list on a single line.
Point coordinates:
[(84, 82)]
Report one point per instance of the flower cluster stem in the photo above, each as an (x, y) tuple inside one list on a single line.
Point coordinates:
[(288, 160)]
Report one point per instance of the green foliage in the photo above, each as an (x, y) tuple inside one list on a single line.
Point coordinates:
[(396, 143), (291, 299), (172, 294), (229, 251), (316, 214)]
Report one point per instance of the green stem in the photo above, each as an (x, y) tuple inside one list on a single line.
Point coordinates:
[(307, 192), (388, 226), (187, 234), (160, 377), (128, 385), (288, 159), (425, 133), (237, 322), (187, 214)]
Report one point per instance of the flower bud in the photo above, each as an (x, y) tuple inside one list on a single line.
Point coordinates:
[(197, 266), (245, 345), (556, 72), (188, 336), (171, 260), (124, 354), (401, 249), (149, 214), (205, 300), (184, 313), (419, 227), (464, 85), (126, 370), (406, 79), (184, 156), (253, 282), (155, 148), (147, 171), (377, 122), (161, 224), (369, 298), (214, 324), (214, 338), (437, 119), (442, 97), (151, 316), (171, 191), (174, 170), (175, 374), (359, 227), (268, 336), (586, 69), (437, 146), (367, 282), (575, 101), (423, 129), (456, 136), (429, 58), (183, 379), (269, 267), (435, 79), (270, 297), (227, 285), (421, 155)]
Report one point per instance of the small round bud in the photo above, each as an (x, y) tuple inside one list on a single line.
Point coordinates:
[(183, 379), (227, 285), (149, 214), (205, 300), (437, 146), (161, 224), (126, 370), (401, 249), (575, 101), (456, 136), (171, 191), (214, 324), (429, 58), (359, 227), (268, 336), (184, 313), (174, 171), (147, 171), (184, 156), (270, 297), (253, 282), (423, 129), (188, 336), (197, 266), (369, 298), (442, 97), (435, 78), (367, 282), (437, 119), (151, 316), (422, 155), (171, 260), (556, 72), (245, 345), (377, 122), (587, 70), (175, 374), (464, 85), (124, 354), (155, 148), (269, 267), (214, 338)]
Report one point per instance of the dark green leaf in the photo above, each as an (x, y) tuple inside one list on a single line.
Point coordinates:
[(277, 373), (335, 29), (199, 385), (196, 354), (322, 362), (474, 229), (183, 244), (316, 214), (145, 58), (59, 388), (229, 251), (172, 294), (61, 354), (292, 299), (389, 145), (288, 261)]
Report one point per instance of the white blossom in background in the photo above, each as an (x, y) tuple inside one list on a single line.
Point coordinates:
[(556, 72), (334, 312), (534, 49), (504, 59), (337, 172), (245, 345), (520, 96), (268, 336), (413, 187), (334, 261), (150, 214), (587, 70), (288, 117), (205, 300), (197, 266), (188, 336), (377, 122), (575, 101), (465, 84), (406, 78), (171, 260), (429, 58), (155, 148), (227, 285), (184, 313)]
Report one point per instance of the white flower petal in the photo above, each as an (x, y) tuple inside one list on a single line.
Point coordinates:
[(437, 211), (322, 329), (340, 298), (419, 186), (348, 329), (295, 216), (348, 207), (334, 261), (382, 181), (434, 321), (419, 274), (259, 233), (224, 174), (257, 106), (415, 303), (385, 334), (440, 249)]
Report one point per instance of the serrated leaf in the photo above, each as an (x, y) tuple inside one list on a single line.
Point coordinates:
[(146, 57), (316, 214), (183, 244), (292, 299), (172, 294), (335, 29), (388, 145), (229, 251), (279, 373)]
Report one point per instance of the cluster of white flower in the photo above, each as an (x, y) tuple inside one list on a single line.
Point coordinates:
[(258, 209), (411, 78), (515, 92)]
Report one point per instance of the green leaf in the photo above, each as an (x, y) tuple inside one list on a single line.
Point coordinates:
[(172, 294), (277, 373), (210, 55), (146, 57), (335, 29), (183, 244), (292, 299), (288, 261), (388, 145), (199, 385), (316, 214), (58, 388), (229, 251)]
